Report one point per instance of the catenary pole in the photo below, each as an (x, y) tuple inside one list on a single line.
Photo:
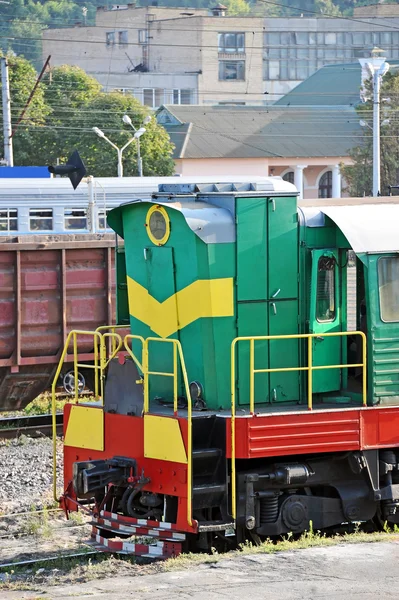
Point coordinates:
[(5, 92)]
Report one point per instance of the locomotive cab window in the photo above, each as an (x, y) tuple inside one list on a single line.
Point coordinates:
[(325, 293), (41, 219), (388, 283)]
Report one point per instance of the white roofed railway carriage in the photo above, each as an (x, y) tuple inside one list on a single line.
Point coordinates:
[(51, 206)]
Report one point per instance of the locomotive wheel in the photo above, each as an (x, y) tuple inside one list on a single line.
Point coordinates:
[(68, 382)]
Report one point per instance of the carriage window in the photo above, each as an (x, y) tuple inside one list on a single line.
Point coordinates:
[(75, 218), (325, 293), (102, 218), (388, 281), (41, 219), (8, 219)]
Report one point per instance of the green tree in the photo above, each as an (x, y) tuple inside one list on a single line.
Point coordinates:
[(68, 103), (237, 8), (105, 111), (359, 175)]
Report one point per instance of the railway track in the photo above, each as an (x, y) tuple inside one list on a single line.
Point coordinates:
[(33, 426)]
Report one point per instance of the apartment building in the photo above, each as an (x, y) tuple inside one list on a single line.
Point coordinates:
[(196, 56)]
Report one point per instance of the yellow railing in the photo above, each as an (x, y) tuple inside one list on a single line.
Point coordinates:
[(99, 365), (138, 363), (100, 337), (309, 368), (177, 353)]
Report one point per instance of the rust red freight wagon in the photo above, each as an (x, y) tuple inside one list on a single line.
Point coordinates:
[(48, 286)]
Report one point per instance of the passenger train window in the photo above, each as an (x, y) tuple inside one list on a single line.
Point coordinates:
[(8, 219), (75, 218), (388, 281), (102, 218), (325, 293), (40, 219)]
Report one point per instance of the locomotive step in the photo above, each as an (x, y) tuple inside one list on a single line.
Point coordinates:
[(121, 528), (215, 488), (133, 521), (157, 550), (207, 453), (214, 525)]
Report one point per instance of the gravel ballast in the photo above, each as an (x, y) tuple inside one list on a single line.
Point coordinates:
[(26, 473)]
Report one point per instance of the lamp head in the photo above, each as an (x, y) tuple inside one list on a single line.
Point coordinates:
[(98, 132), (362, 123), (383, 70), (147, 120), (127, 120), (140, 132)]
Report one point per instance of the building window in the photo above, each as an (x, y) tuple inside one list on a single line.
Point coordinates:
[(297, 55), (8, 219), (75, 218), (41, 219), (325, 185), (231, 42), (181, 96), (153, 97), (231, 70), (142, 36), (122, 38), (289, 177), (110, 38)]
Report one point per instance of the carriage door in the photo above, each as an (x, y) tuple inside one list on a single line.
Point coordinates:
[(325, 317)]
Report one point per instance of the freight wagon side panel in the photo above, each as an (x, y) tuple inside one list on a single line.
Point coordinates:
[(48, 286)]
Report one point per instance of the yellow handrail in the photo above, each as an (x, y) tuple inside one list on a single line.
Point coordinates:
[(309, 368), (100, 364), (112, 328), (177, 352), (130, 351), (71, 335)]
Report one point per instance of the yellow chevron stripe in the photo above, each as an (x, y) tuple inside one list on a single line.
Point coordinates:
[(202, 298)]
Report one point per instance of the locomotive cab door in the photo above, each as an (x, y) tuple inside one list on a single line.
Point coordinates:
[(325, 317)]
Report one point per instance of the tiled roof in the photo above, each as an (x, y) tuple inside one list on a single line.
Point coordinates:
[(256, 131)]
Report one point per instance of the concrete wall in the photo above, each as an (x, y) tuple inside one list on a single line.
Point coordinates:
[(315, 168)]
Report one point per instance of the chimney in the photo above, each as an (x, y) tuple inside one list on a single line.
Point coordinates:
[(219, 10)]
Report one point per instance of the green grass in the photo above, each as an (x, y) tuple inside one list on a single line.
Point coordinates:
[(73, 570), (42, 405)]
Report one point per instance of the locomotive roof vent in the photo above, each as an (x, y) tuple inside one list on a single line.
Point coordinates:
[(266, 184)]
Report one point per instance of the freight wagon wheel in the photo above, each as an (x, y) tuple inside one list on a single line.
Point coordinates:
[(68, 382)]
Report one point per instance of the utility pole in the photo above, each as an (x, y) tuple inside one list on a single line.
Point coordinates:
[(376, 67), (7, 132)]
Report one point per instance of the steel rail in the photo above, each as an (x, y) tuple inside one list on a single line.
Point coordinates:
[(33, 426)]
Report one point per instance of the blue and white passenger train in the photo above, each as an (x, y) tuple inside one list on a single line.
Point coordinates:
[(51, 206)]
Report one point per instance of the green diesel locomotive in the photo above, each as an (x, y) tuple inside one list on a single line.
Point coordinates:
[(257, 387)]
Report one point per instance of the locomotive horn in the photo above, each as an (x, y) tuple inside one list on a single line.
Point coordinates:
[(75, 169)]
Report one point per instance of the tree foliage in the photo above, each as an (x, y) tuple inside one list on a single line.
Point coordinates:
[(359, 176), (68, 103)]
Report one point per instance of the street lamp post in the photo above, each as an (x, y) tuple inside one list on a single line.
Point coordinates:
[(377, 67), (137, 134), (101, 134)]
